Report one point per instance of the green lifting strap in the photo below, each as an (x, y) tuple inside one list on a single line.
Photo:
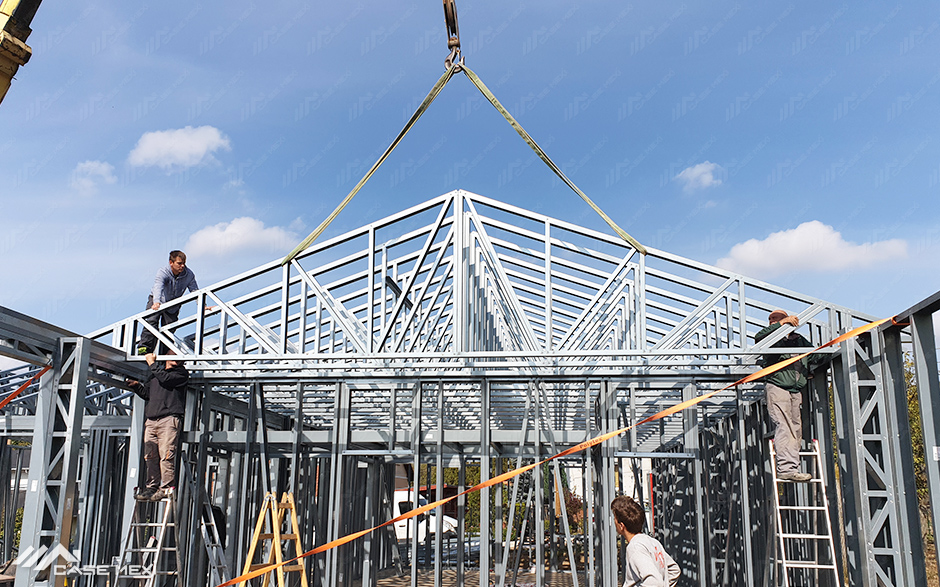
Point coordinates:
[(454, 67), (414, 117), (551, 164)]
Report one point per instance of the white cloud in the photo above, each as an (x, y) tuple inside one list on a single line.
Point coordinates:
[(87, 175), (810, 247), (175, 150), (698, 177), (241, 235)]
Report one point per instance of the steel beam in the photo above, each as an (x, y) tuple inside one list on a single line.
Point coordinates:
[(51, 504)]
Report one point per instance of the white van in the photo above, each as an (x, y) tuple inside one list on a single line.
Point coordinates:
[(425, 523)]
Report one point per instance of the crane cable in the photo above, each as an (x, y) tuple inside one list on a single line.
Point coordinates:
[(455, 63)]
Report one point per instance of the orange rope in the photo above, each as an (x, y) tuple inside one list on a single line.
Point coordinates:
[(577, 448), (13, 395)]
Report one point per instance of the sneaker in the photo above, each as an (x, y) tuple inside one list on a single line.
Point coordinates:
[(142, 350), (794, 476), (145, 494)]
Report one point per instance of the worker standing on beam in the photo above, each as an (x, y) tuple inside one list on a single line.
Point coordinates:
[(171, 282)]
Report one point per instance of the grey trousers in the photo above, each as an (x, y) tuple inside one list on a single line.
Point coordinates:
[(784, 410), (161, 437)]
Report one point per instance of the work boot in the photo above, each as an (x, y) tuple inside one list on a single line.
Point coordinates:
[(142, 350), (145, 494), (161, 494), (795, 476)]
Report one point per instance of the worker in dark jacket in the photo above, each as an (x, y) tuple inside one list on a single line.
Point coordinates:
[(165, 394), (784, 391)]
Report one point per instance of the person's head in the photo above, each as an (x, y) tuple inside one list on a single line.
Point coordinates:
[(177, 262), (776, 316), (171, 362), (629, 516)]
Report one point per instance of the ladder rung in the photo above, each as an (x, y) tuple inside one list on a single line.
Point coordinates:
[(256, 567), (271, 536), (807, 565), (807, 536), (290, 568), (803, 507)]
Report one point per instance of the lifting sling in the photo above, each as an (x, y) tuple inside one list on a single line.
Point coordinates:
[(454, 64)]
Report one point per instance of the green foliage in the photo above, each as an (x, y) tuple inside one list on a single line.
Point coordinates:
[(452, 478), (17, 527), (917, 447), (573, 503)]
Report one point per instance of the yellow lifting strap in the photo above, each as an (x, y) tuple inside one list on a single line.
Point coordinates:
[(551, 164), (454, 66), (414, 118)]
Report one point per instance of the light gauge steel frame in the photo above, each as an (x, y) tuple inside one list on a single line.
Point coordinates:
[(471, 334)]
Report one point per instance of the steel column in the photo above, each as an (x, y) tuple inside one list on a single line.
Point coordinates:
[(51, 504)]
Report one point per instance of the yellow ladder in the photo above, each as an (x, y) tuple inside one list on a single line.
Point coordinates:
[(273, 514)]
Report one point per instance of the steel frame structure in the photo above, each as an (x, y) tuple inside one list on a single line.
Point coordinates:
[(468, 334)]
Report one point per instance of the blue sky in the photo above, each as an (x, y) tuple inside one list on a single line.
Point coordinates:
[(796, 143)]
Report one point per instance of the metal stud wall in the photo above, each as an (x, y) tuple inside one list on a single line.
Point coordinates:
[(462, 338)]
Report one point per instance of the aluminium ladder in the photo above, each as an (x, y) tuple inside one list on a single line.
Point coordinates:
[(211, 537), (805, 550), (151, 554), (218, 569)]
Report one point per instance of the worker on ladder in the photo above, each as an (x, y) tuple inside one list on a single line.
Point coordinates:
[(165, 394), (784, 391)]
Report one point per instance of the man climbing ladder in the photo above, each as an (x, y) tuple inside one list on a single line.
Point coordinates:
[(784, 391)]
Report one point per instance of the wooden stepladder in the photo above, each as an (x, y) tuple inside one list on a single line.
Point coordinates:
[(270, 527)]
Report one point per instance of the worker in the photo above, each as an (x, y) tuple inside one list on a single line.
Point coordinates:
[(784, 392), (165, 393), (171, 282), (648, 565)]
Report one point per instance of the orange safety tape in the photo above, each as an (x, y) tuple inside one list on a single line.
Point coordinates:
[(13, 395), (577, 448)]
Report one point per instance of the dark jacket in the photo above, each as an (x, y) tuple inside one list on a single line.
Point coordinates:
[(164, 390), (795, 376)]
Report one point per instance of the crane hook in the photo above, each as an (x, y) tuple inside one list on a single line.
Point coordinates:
[(453, 35)]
